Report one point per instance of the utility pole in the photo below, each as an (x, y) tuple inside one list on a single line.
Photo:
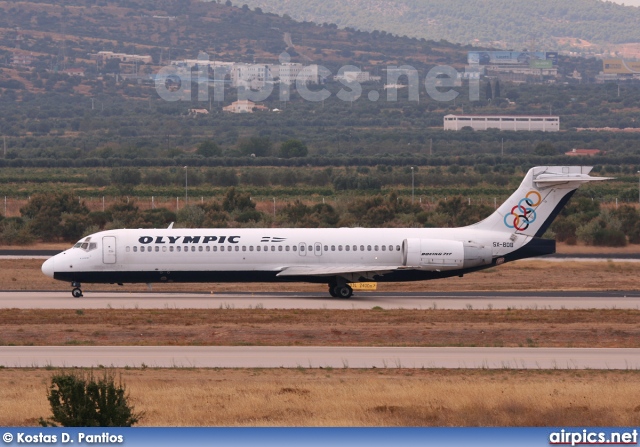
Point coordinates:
[(4, 138), (186, 187), (412, 185), (502, 147)]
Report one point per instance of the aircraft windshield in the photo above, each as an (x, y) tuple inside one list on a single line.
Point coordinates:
[(86, 245)]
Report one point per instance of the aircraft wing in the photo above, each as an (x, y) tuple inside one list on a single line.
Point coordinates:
[(347, 271)]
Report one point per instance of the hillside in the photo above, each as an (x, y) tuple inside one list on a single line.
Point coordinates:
[(547, 24), (172, 29)]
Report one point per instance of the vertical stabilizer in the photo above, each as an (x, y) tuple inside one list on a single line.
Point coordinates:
[(542, 194)]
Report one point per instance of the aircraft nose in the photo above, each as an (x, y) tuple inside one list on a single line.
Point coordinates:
[(47, 267)]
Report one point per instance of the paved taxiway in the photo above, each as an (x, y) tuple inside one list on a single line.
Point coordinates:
[(315, 357), (361, 300)]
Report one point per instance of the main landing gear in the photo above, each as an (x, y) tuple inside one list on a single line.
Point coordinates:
[(76, 292), (343, 291)]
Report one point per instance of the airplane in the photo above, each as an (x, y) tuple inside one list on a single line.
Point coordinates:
[(334, 256)]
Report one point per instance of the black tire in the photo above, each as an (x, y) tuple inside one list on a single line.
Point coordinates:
[(77, 293), (344, 292), (332, 291)]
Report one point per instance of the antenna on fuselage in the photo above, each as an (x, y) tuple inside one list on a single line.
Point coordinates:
[(170, 226)]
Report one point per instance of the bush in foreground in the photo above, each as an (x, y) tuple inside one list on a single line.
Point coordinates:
[(80, 400)]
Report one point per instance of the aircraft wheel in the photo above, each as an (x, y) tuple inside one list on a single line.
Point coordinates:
[(77, 293), (332, 291), (343, 291)]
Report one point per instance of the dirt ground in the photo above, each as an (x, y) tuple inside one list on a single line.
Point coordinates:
[(345, 397), (377, 327)]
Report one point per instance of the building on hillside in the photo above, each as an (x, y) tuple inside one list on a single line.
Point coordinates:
[(358, 76), (503, 122), (107, 55), (584, 152), (244, 106), (195, 112), (74, 72), (21, 59)]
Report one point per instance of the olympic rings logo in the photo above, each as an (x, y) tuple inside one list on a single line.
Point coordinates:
[(523, 215)]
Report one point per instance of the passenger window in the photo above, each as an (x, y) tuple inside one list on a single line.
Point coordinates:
[(258, 248), (222, 248), (141, 249), (273, 248), (280, 248), (302, 247), (326, 248), (158, 249), (294, 248), (390, 247), (164, 249), (171, 249), (251, 248), (193, 248), (333, 248), (287, 248), (266, 248), (215, 248), (397, 248), (362, 248), (368, 247), (244, 248), (355, 248), (200, 248), (347, 248), (384, 248), (178, 249), (128, 249), (186, 248), (375, 248), (237, 248), (339, 247), (208, 248)]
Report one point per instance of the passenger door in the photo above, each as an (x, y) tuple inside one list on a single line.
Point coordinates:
[(109, 250)]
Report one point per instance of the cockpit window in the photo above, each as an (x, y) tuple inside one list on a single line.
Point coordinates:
[(86, 245)]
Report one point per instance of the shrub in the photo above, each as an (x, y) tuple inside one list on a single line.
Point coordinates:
[(80, 400)]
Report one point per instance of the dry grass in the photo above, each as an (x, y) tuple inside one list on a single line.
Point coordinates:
[(354, 397), (290, 327), (25, 274)]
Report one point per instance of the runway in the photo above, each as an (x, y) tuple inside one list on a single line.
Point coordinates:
[(361, 300), (318, 357)]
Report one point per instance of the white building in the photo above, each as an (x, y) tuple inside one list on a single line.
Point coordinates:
[(244, 106), (504, 122), (290, 73), (358, 76), (106, 55), (251, 75)]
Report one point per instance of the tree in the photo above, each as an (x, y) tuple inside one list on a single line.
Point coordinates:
[(53, 216), (80, 400), (489, 92), (255, 146), (496, 89), (209, 149), (545, 149), (293, 148)]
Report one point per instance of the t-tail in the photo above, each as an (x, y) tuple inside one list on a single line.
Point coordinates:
[(541, 196)]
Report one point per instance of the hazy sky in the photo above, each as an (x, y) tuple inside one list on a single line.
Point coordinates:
[(628, 2)]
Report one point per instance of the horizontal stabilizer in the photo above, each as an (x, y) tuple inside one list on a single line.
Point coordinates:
[(546, 180)]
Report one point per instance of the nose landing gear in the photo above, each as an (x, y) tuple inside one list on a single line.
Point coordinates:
[(76, 292)]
